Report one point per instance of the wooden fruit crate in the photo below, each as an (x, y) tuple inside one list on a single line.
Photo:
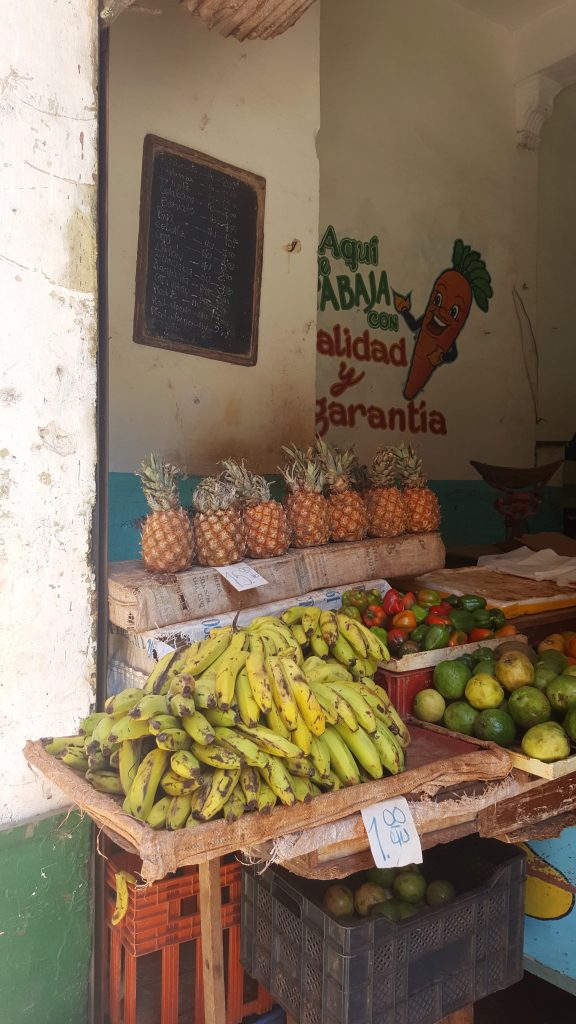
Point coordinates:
[(429, 659), (513, 594), (532, 765), (139, 600)]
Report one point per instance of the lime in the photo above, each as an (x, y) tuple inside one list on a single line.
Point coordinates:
[(561, 692), (547, 742), (460, 717), (543, 675), (409, 887), (496, 726), (440, 892), (367, 895), (450, 678), (338, 900), (389, 909), (483, 654), (529, 706), (514, 670), (407, 909), (429, 706), (553, 659), (570, 671), (381, 876), (569, 723), (485, 667), (484, 691)]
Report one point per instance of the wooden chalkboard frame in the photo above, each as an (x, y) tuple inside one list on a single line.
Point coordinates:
[(153, 145)]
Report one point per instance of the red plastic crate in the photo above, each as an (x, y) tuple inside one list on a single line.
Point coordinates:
[(161, 917), (402, 687)]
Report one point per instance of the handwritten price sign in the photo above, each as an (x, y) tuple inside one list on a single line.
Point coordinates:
[(242, 576), (392, 834)]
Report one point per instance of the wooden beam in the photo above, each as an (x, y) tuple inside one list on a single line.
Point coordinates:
[(212, 943)]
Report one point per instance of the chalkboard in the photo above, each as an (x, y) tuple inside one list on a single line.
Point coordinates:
[(199, 254)]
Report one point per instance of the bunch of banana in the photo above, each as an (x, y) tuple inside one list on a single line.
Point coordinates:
[(275, 713)]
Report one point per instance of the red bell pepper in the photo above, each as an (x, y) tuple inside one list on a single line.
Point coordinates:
[(408, 600), (392, 602), (440, 609), (480, 634), (396, 638), (405, 620), (457, 638), (437, 619), (374, 615)]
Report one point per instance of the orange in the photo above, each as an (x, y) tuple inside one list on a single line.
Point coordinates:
[(571, 646), (508, 630), (554, 642)]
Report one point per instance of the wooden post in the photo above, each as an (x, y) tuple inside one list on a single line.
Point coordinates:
[(212, 944)]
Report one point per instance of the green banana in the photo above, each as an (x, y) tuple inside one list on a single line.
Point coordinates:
[(343, 652), (350, 629), (89, 723), (279, 780), (129, 757), (266, 798), (216, 717), (105, 782), (318, 644), (128, 728), (178, 812), (121, 703), (173, 739), (363, 713), (150, 706), (389, 750), (364, 750), (270, 743), (342, 762), (75, 759), (242, 745), (302, 788), (199, 728), (250, 785), (157, 817), (300, 766), (185, 764), (235, 805), (56, 744), (320, 756), (162, 722), (249, 709)]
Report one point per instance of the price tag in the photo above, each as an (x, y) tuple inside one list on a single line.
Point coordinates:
[(392, 834), (242, 576)]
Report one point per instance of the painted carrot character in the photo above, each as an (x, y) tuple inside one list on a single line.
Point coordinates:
[(446, 313)]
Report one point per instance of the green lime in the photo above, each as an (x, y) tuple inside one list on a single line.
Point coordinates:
[(381, 876), (496, 726), (460, 717), (561, 692), (468, 660), (484, 691), (409, 887), (529, 706), (429, 706), (543, 675), (450, 678), (483, 654), (485, 667), (547, 742), (553, 659), (569, 723), (389, 909), (439, 892), (407, 909)]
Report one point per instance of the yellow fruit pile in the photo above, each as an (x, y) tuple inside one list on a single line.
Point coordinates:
[(244, 719)]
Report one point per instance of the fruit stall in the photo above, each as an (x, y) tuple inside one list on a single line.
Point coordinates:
[(374, 755)]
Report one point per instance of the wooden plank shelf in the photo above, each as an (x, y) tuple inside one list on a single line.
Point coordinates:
[(139, 600)]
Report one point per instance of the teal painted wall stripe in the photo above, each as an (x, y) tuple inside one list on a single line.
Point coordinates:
[(468, 513), (46, 921)]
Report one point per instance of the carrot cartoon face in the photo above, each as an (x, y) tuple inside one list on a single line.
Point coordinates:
[(446, 313)]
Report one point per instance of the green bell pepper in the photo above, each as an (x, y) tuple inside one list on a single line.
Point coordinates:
[(462, 620), (380, 633), (356, 599), (497, 618), (419, 612), (436, 638), (482, 618), (454, 600), (351, 611), (471, 602), (419, 632)]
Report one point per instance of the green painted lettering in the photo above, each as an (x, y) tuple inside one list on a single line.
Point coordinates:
[(329, 241), (345, 293), (327, 295)]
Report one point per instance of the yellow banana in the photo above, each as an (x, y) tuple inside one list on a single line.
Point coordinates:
[(376, 648), (282, 694), (207, 651), (389, 750), (218, 790), (363, 748), (342, 762), (293, 616), (266, 798), (181, 705), (178, 812), (157, 817), (128, 728), (362, 669), (318, 644), (97, 762), (349, 629), (204, 693), (258, 678), (328, 623), (307, 702), (199, 728), (129, 757), (249, 709), (181, 686), (217, 756), (333, 705), (343, 652), (143, 790), (270, 743), (121, 703), (162, 722), (89, 723), (279, 780), (157, 678), (250, 785), (150, 706), (217, 717), (302, 736), (226, 678), (362, 710), (300, 766), (320, 756), (302, 788), (121, 880), (247, 751), (76, 758), (173, 739), (99, 739), (175, 785), (275, 723), (105, 782), (398, 726), (310, 618), (235, 805), (185, 765), (299, 635), (56, 744)]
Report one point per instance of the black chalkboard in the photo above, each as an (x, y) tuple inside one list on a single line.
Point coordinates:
[(199, 254)]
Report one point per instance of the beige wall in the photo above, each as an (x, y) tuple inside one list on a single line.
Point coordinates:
[(417, 146), (255, 105)]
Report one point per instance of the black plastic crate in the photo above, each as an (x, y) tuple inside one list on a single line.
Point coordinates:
[(375, 971)]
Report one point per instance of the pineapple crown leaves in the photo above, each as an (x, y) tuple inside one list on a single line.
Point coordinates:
[(469, 263), (337, 463), (302, 473), (409, 467), (250, 488), (383, 469), (213, 494), (159, 482)]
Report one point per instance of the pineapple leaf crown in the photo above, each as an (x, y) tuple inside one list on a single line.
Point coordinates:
[(159, 482), (214, 494), (409, 467), (302, 473), (250, 488), (383, 469), (337, 464)]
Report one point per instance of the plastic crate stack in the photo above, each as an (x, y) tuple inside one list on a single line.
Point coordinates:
[(160, 918)]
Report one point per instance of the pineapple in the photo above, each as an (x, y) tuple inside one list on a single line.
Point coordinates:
[(386, 510), (265, 522), (422, 508), (348, 516), (306, 506), (220, 533), (167, 533)]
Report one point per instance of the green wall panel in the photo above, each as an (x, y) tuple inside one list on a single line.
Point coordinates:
[(46, 921)]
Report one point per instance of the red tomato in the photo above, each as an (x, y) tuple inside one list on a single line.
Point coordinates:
[(405, 620), (480, 634), (457, 638)]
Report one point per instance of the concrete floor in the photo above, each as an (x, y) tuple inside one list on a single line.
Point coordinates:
[(531, 1001)]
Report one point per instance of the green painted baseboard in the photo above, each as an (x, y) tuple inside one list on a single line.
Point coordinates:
[(46, 921), (468, 513)]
